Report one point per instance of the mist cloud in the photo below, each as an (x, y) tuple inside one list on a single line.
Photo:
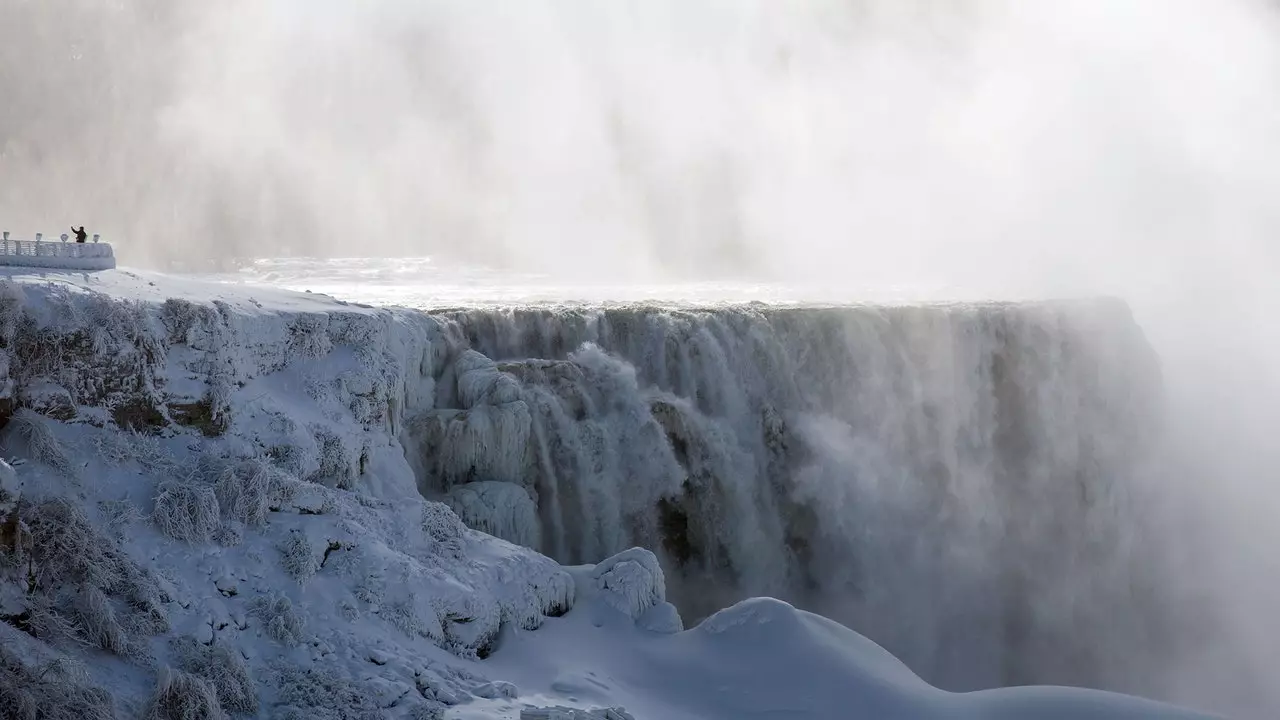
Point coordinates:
[(1002, 147)]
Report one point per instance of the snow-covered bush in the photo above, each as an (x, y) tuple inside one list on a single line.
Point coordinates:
[(119, 515), (180, 317), (444, 529), (223, 667), (228, 535), (319, 693), (55, 690), (282, 623), (117, 447), (99, 625), (81, 587), (40, 441), (307, 336), (66, 551), (183, 696), (336, 459), (186, 510), (297, 557), (251, 489)]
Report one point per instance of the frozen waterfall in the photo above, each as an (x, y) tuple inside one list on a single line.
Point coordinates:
[(963, 483)]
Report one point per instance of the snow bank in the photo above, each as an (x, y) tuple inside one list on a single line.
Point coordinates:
[(761, 658)]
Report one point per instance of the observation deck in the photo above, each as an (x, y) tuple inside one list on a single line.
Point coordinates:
[(58, 254)]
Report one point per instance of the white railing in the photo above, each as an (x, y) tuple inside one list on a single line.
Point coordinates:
[(57, 254)]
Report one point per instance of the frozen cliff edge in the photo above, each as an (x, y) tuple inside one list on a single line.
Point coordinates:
[(213, 515), (214, 508)]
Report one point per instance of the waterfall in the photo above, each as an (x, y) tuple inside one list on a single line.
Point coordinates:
[(961, 482)]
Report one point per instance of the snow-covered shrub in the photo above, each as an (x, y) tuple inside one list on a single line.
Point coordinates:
[(223, 667), (99, 625), (180, 317), (296, 454), (541, 589), (53, 624), (348, 610), (251, 489), (41, 442), (56, 690), (81, 587), (186, 510), (319, 693), (119, 515), (444, 529), (403, 617), (336, 460), (297, 558), (470, 624), (282, 623), (183, 696), (66, 551), (228, 535), (117, 447), (307, 336)]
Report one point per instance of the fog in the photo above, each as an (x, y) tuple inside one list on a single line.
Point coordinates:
[(1130, 147)]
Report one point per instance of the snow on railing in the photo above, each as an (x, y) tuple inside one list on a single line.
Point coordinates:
[(57, 254)]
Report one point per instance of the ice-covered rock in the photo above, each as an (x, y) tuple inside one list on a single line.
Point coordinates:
[(480, 382), (631, 582), (500, 509), (457, 446)]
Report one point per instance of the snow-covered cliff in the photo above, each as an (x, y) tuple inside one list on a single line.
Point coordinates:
[(213, 483), (222, 500)]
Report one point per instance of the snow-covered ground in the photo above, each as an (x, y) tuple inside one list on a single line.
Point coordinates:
[(214, 514)]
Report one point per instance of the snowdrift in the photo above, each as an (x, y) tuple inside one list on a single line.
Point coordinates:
[(212, 513)]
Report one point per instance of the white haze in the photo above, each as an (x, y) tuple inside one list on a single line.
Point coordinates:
[(1121, 146)]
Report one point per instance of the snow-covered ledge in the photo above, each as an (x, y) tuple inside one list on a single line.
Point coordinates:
[(57, 254)]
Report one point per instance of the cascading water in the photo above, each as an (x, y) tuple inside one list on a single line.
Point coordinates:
[(960, 482)]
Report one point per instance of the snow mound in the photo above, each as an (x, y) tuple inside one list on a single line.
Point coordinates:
[(761, 658)]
